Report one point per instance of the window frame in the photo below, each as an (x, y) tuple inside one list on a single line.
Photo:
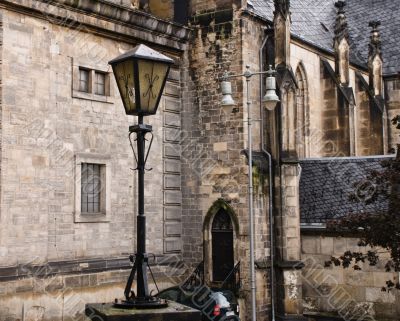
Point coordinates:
[(93, 172), (96, 83), (105, 175), (88, 81), (91, 94)]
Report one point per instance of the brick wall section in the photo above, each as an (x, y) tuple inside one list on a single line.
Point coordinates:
[(162, 9), (289, 296), (213, 140), (126, 3), (392, 97), (335, 121), (40, 143), (363, 122), (63, 297), (356, 293), (253, 36), (44, 127), (1, 107), (202, 6), (212, 164), (376, 141), (369, 124)]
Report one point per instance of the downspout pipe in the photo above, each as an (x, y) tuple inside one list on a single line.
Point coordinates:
[(271, 191)]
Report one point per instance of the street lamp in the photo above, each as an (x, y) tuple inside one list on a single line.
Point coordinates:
[(270, 101), (141, 74)]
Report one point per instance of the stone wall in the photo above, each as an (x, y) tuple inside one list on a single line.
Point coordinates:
[(44, 296), (370, 127), (335, 121), (287, 227), (202, 6), (214, 166), (364, 121), (349, 293), (126, 3), (392, 97), (321, 122), (48, 129)]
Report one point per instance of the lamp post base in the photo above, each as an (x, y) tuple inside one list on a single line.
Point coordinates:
[(174, 312)]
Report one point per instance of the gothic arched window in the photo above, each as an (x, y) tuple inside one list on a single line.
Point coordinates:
[(302, 116)]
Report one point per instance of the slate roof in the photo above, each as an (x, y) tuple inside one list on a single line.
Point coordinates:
[(313, 21), (326, 183)]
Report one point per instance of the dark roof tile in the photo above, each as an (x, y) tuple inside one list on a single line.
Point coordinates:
[(326, 185)]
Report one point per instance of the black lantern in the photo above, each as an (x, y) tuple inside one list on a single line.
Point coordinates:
[(141, 74)]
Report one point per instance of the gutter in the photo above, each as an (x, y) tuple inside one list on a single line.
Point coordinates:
[(271, 195)]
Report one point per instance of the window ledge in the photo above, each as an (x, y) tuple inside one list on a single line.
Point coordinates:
[(88, 96), (92, 218)]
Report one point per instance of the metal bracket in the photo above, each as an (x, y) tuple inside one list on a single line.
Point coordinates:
[(148, 151), (133, 149), (132, 130)]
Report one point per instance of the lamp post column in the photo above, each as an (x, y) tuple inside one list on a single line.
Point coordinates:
[(141, 256), (270, 99), (251, 214)]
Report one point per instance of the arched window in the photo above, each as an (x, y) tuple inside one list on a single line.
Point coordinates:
[(302, 116)]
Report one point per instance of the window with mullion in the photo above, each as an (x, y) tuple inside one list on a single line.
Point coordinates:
[(100, 81), (84, 80), (90, 188)]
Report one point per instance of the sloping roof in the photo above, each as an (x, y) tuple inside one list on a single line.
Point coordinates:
[(313, 21), (360, 13), (326, 185)]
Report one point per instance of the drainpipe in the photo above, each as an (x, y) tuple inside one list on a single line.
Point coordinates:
[(271, 195)]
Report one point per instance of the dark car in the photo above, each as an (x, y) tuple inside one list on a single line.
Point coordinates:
[(214, 304)]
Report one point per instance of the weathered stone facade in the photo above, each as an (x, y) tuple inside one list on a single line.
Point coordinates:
[(50, 128), (355, 294), (214, 166), (53, 258)]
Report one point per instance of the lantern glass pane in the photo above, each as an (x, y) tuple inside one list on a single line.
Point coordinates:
[(125, 77), (151, 79)]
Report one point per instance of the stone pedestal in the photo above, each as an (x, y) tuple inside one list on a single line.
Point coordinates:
[(174, 312)]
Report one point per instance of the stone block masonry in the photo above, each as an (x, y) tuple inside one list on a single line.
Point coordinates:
[(213, 165), (343, 291), (392, 96), (48, 131)]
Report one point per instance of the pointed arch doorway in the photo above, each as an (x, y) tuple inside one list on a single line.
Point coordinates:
[(222, 246), (220, 231)]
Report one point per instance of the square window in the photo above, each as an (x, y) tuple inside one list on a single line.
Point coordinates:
[(100, 82), (84, 80), (91, 188)]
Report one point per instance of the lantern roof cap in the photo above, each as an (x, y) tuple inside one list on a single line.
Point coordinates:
[(142, 52)]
